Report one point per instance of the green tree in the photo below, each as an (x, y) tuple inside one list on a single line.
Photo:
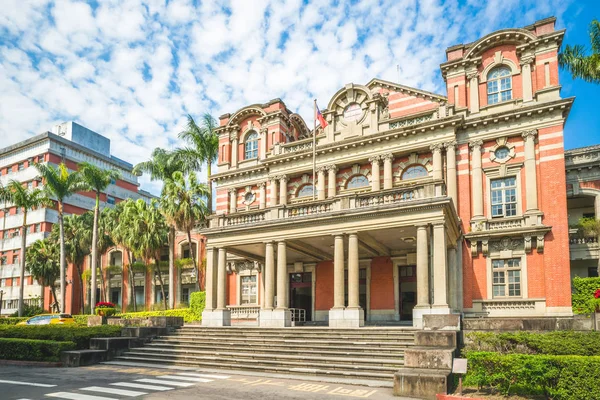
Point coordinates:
[(183, 205), (59, 183), (203, 148), (97, 181), (576, 60), (25, 199), (43, 265)]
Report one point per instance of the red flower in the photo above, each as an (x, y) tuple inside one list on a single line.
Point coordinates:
[(104, 304), (597, 294)]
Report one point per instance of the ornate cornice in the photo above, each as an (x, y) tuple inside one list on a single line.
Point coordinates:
[(243, 265), (529, 134)]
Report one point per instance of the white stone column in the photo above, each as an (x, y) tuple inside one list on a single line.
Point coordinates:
[(597, 206), (451, 180), (440, 269), (262, 287), (436, 150), (220, 316), (263, 143), (331, 180), (338, 272), (232, 200), (353, 314), (234, 149), (526, 76), (210, 270), (273, 192), (453, 284), (388, 160), (375, 176), (280, 316), (262, 195), (321, 183), (283, 190), (221, 279), (530, 171), (422, 267), (473, 91), (282, 273), (477, 178), (269, 275)]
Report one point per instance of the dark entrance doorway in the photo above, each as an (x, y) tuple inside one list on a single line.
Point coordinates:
[(301, 292), (408, 291)]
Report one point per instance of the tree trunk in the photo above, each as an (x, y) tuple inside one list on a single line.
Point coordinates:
[(172, 291), (160, 280), (81, 305), (131, 281), (193, 253), (94, 266), (23, 245), (209, 181), (53, 291), (63, 260)]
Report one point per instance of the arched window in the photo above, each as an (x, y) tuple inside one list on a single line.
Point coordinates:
[(499, 85), (357, 181), (251, 146), (414, 171), (306, 190)]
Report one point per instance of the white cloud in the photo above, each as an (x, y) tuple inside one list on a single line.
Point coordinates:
[(132, 70)]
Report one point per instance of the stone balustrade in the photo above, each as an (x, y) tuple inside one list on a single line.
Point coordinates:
[(244, 311)]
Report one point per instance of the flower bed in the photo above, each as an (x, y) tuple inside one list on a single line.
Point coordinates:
[(105, 309)]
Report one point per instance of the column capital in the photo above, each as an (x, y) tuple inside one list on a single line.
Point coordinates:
[(273, 177), (423, 225), (263, 131), (232, 190), (450, 145), (374, 159), (282, 178), (267, 242), (280, 241), (476, 144), (336, 235), (387, 156), (331, 167), (321, 169), (439, 224), (436, 147), (233, 136), (472, 74), (526, 60), (261, 184), (529, 134)]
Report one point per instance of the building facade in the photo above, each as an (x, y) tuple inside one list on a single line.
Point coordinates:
[(420, 203), (71, 144)]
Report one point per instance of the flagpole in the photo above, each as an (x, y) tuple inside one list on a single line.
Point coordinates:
[(314, 150)]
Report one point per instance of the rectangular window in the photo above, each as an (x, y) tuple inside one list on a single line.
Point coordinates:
[(9, 170), (249, 290), (21, 166), (38, 227), (110, 200), (3, 260), (185, 295), (506, 279), (504, 197)]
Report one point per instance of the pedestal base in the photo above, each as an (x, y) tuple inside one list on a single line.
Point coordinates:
[(275, 318), (346, 318), (418, 312), (216, 318)]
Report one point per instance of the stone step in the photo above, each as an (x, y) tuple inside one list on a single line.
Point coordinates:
[(291, 341), (337, 365), (353, 351), (304, 336), (322, 372), (294, 332), (243, 355)]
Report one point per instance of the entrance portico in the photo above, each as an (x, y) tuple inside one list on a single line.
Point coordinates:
[(335, 247)]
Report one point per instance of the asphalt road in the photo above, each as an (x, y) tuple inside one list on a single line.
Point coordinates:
[(111, 382)]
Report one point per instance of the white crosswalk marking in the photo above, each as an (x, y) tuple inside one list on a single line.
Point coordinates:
[(26, 383), (78, 396), (204, 375), (185, 378), (120, 392), (165, 382), (141, 386)]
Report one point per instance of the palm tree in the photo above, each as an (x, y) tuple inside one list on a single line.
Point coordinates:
[(4, 199), (161, 166), (578, 63), (204, 148), (97, 181), (183, 204), (43, 264), (59, 183), (25, 199)]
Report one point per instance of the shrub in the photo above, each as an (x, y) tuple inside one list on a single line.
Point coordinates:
[(583, 299), (551, 343), (197, 303), (105, 308), (33, 350), (61, 333), (81, 320), (186, 313), (12, 320), (29, 311), (558, 377)]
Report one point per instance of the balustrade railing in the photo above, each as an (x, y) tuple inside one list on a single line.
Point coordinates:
[(244, 311), (246, 218), (307, 209), (583, 240), (298, 314), (375, 199), (505, 224)]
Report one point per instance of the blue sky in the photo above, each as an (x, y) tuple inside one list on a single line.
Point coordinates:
[(132, 70)]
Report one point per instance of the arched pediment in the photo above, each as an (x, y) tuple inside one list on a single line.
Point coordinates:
[(505, 36), (350, 94), (300, 126), (245, 112)]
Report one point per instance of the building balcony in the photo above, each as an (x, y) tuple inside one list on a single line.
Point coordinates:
[(339, 206), (583, 248), (12, 243)]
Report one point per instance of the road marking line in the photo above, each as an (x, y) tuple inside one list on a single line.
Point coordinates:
[(140, 386), (186, 378), (121, 392), (165, 382), (26, 383), (78, 396), (204, 375)]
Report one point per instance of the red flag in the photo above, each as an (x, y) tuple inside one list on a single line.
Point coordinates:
[(320, 118)]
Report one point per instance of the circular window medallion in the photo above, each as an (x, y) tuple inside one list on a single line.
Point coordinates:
[(502, 153), (249, 198), (352, 112)]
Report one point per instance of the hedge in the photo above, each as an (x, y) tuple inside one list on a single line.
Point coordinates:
[(557, 377), (61, 333), (12, 320), (33, 350), (550, 343), (81, 320), (191, 314), (582, 298)]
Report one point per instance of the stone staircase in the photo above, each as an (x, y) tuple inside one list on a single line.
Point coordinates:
[(366, 354)]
